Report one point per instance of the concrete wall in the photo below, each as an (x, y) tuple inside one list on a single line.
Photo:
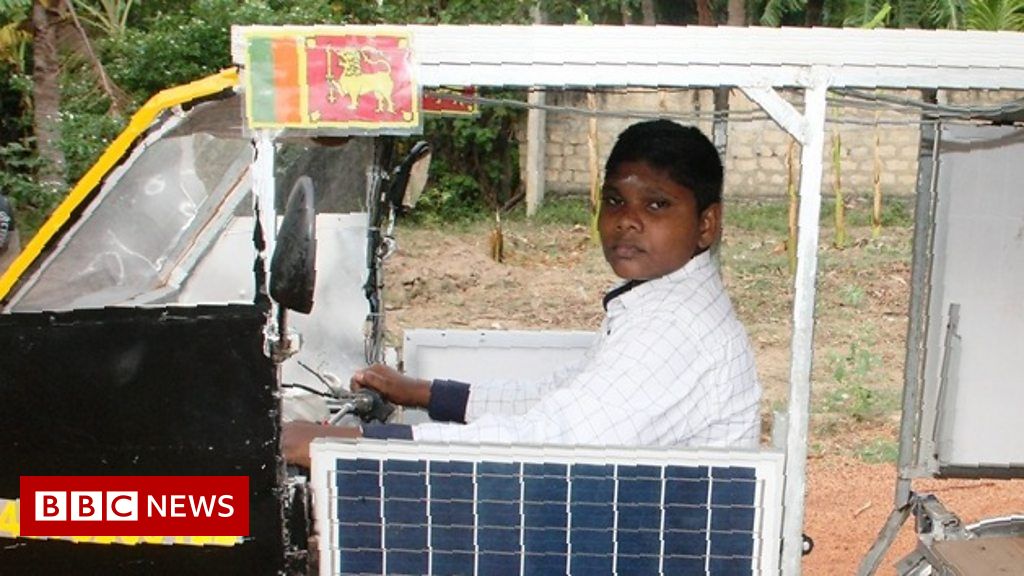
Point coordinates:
[(756, 161)]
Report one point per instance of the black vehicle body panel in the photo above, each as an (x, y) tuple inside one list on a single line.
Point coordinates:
[(144, 391)]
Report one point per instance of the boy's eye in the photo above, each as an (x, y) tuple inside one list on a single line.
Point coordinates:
[(658, 204), (611, 200)]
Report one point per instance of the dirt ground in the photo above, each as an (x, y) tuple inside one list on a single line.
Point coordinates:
[(553, 277)]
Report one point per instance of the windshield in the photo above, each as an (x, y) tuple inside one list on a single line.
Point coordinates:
[(158, 219), (147, 214)]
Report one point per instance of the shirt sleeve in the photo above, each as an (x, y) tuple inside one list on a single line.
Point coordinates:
[(628, 392), (516, 397), (387, 431)]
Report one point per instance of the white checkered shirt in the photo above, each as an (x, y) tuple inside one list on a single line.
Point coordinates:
[(672, 367)]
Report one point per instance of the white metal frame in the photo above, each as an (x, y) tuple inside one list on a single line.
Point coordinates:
[(757, 61), (424, 349)]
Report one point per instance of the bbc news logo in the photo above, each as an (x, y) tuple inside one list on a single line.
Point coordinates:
[(134, 505)]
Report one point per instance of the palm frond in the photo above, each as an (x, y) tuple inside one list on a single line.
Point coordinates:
[(870, 14), (995, 15), (774, 10), (945, 14), (908, 13), (13, 40), (14, 5), (109, 16)]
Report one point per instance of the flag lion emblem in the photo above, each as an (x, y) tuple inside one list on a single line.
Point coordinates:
[(363, 71)]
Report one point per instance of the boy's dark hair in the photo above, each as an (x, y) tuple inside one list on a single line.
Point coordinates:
[(683, 152)]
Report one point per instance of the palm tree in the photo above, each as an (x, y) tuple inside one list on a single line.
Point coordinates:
[(48, 21)]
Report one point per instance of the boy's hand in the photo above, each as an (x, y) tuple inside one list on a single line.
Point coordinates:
[(393, 386), (296, 436)]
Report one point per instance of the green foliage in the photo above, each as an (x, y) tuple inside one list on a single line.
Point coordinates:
[(194, 41), (995, 15), (430, 12), (15, 7), (879, 19), (108, 16), (84, 137), (449, 199), (855, 396), (930, 14), (87, 125), (591, 11), (15, 92), (774, 12), (18, 159), (13, 44), (18, 165), (475, 167)]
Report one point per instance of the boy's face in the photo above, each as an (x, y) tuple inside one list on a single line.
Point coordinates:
[(649, 224)]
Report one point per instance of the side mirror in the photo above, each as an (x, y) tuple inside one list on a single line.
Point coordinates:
[(293, 265), (410, 177)]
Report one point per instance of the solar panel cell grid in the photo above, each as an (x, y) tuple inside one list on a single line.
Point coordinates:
[(430, 515)]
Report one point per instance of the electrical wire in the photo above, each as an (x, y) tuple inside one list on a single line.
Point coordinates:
[(308, 389), (912, 112)]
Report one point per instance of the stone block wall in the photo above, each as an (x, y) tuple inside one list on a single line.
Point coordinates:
[(759, 153)]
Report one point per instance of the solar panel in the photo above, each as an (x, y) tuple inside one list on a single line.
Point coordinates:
[(387, 507)]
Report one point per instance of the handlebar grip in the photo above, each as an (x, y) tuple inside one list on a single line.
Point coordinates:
[(379, 409)]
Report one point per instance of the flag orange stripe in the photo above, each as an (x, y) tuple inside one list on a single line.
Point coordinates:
[(286, 79)]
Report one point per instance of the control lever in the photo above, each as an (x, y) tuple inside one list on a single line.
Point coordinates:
[(367, 404)]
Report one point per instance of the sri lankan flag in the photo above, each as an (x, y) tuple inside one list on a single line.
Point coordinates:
[(340, 78)]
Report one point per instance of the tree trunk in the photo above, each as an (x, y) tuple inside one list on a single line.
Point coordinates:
[(705, 17), (815, 8), (737, 13), (46, 96), (650, 17)]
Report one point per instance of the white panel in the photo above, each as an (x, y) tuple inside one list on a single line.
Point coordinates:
[(332, 333), (709, 56), (475, 355), (979, 264)]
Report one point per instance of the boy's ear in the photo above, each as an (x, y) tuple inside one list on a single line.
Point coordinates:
[(710, 225)]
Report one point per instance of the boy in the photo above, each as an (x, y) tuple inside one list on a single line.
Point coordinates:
[(672, 364)]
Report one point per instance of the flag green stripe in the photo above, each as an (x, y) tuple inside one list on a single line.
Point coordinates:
[(261, 79)]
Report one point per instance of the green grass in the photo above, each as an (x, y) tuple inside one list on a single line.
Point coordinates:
[(564, 210), (758, 215), (852, 295), (557, 211), (878, 451), (762, 216), (773, 215)]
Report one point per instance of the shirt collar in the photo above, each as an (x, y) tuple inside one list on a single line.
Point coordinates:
[(699, 265)]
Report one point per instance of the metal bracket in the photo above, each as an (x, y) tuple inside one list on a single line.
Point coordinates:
[(948, 380)]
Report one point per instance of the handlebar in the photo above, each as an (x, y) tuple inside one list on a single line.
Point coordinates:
[(367, 404)]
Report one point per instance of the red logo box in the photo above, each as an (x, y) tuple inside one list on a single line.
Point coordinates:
[(134, 506)]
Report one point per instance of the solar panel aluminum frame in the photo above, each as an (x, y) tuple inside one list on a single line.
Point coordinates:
[(767, 466), (962, 368)]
